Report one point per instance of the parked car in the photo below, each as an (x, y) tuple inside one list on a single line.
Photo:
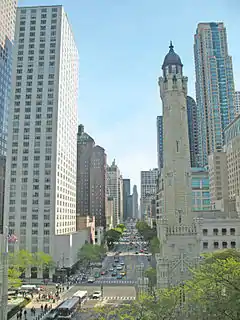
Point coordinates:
[(91, 280)]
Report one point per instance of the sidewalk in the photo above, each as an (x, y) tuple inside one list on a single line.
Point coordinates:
[(37, 305)]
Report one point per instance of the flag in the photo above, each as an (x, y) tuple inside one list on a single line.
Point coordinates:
[(12, 238)]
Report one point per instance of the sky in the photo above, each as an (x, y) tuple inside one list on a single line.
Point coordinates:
[(122, 44)]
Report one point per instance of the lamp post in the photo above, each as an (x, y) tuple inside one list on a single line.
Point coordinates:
[(4, 274)]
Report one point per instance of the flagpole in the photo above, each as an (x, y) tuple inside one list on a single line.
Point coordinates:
[(4, 298)]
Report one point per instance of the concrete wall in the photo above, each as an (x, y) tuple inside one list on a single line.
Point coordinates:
[(66, 247)]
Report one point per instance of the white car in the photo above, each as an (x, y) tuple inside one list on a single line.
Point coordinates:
[(96, 295), (119, 267), (91, 280)]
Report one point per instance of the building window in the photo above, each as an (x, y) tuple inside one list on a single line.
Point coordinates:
[(224, 232), (205, 232), (232, 231), (216, 245), (224, 245), (205, 245), (215, 232), (233, 244)]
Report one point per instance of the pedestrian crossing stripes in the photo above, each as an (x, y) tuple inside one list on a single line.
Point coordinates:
[(115, 281), (115, 298)]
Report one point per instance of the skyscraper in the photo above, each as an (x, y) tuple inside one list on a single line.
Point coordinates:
[(135, 202), (42, 147), (113, 189), (7, 27), (160, 142), (237, 103), (98, 186), (126, 194), (85, 145), (148, 189), (91, 178), (214, 87), (192, 131)]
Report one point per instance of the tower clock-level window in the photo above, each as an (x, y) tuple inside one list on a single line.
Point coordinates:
[(174, 69)]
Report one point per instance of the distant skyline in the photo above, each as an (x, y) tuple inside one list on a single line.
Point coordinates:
[(121, 46)]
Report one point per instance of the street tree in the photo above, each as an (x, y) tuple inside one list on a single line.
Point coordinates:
[(151, 274), (160, 305), (215, 290), (121, 226), (20, 260), (14, 280), (154, 245), (112, 236), (90, 253)]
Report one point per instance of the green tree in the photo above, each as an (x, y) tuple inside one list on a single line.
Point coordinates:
[(112, 236), (90, 253), (162, 305), (14, 280), (20, 260), (215, 290), (146, 231), (154, 245), (121, 226), (151, 274)]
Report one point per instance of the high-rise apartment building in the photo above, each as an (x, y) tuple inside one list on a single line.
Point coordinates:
[(113, 190), (7, 27), (214, 87), (148, 189), (160, 142), (237, 103), (192, 131), (91, 178), (40, 200), (85, 145), (98, 185), (135, 202), (126, 194)]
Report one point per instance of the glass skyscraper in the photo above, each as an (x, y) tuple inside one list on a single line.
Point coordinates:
[(214, 87), (192, 130)]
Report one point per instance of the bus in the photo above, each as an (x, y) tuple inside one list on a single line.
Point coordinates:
[(82, 295), (68, 309)]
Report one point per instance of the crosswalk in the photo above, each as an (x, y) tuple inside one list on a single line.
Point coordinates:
[(115, 281), (116, 298)]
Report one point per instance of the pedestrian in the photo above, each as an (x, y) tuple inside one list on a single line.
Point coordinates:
[(25, 314), (41, 308), (18, 315)]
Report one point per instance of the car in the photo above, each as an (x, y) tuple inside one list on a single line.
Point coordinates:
[(96, 295), (123, 273), (91, 279), (122, 263), (119, 276), (119, 267), (136, 252), (111, 269), (103, 273), (97, 275), (114, 274), (114, 265)]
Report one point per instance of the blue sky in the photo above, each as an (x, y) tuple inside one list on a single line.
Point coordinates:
[(122, 44)]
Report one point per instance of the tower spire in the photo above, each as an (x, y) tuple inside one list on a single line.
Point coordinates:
[(171, 46)]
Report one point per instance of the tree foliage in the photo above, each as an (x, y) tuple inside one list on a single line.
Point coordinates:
[(155, 245), (113, 235), (212, 294), (146, 231), (151, 274), (91, 253), (20, 261)]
